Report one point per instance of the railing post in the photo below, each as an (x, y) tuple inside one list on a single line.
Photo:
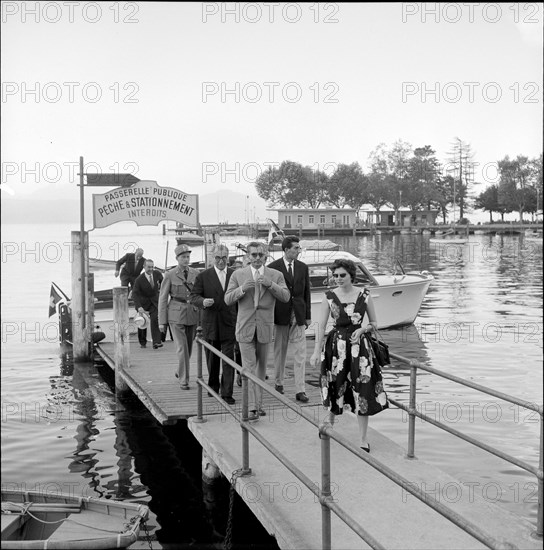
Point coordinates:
[(412, 410), (539, 510), (325, 488), (199, 416), (245, 434)]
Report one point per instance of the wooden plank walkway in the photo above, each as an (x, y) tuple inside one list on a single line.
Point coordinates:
[(151, 377)]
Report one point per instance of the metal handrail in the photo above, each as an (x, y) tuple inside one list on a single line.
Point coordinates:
[(413, 412), (325, 433)]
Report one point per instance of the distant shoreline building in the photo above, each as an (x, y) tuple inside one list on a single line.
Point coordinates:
[(344, 218), (309, 218), (408, 218)]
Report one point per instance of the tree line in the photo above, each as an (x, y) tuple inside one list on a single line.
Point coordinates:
[(400, 176)]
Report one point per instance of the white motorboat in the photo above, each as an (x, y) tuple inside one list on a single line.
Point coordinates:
[(397, 298), (448, 237)]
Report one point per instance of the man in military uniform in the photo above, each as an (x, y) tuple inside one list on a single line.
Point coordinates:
[(175, 310)]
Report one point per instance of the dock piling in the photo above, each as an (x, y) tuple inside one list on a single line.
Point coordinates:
[(120, 331), (81, 332)]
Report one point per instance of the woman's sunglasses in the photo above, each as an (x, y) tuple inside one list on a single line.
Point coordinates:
[(341, 275)]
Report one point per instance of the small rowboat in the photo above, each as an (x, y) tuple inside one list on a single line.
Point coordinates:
[(34, 519)]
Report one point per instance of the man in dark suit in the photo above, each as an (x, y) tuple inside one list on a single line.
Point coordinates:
[(218, 319), (146, 298), (255, 288), (291, 319), (132, 263)]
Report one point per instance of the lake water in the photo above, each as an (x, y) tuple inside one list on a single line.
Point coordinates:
[(62, 428)]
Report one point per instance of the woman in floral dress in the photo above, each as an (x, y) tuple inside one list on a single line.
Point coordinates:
[(350, 373)]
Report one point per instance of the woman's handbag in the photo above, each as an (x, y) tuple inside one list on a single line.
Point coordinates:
[(381, 349)]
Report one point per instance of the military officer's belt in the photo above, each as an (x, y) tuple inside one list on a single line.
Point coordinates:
[(182, 300)]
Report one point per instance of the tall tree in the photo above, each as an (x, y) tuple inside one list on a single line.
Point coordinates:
[(515, 189), (423, 175), (291, 185), (488, 200), (461, 168), (375, 186), (391, 165), (347, 186)]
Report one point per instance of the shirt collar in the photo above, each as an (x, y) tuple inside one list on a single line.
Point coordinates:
[(218, 271), (287, 262), (260, 270)]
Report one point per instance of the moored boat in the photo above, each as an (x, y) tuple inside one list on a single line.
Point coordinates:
[(54, 521), (397, 297)]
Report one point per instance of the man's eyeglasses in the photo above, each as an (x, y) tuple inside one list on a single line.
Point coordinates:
[(222, 258), (257, 254), (341, 275)]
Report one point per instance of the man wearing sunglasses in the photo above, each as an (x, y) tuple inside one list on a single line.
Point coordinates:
[(218, 320), (256, 289)]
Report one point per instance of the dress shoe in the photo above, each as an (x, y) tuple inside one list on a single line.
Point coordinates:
[(157, 346), (253, 415), (367, 449), (229, 400), (185, 386), (279, 389), (302, 397), (143, 346)]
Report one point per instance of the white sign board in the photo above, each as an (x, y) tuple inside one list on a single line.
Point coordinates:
[(145, 203)]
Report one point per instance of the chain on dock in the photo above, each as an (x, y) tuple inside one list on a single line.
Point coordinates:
[(228, 535), (147, 535)]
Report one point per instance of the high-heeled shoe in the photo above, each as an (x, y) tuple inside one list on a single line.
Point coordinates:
[(365, 448)]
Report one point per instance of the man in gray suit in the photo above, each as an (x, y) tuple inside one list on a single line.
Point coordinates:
[(256, 289)]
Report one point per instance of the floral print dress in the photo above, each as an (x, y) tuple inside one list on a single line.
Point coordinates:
[(350, 374)]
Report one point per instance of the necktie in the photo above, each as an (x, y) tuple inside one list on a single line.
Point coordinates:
[(150, 279), (186, 273), (257, 290), (290, 270), (222, 278)]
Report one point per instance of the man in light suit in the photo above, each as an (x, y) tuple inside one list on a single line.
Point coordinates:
[(146, 298), (218, 320), (175, 310), (293, 318), (256, 289)]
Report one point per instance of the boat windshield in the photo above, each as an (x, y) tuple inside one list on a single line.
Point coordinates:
[(321, 277)]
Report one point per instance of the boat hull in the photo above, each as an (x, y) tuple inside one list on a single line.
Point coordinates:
[(397, 301)]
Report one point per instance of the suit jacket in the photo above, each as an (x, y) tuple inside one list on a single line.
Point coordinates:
[(143, 294), (219, 320), (175, 285), (299, 287), (261, 320), (131, 268)]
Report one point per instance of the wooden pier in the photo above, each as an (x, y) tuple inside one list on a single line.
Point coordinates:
[(151, 377), (284, 505)]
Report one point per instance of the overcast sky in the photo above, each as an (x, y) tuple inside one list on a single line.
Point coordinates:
[(203, 96)]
